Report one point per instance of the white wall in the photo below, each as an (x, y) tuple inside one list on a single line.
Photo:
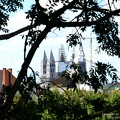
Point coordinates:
[(83, 87)]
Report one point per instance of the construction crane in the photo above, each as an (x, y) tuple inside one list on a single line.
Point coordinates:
[(90, 49)]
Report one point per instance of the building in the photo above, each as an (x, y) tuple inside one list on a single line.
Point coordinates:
[(6, 78), (48, 67), (52, 69)]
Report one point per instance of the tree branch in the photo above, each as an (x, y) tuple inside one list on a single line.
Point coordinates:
[(79, 24), (96, 114), (53, 15), (22, 72), (10, 35), (61, 24)]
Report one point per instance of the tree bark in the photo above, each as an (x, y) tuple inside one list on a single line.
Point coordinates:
[(22, 72)]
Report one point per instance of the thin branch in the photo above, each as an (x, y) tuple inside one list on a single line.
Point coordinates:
[(57, 86), (79, 24), (109, 5), (10, 35), (95, 9)]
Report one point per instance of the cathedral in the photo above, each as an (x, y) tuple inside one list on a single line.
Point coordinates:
[(52, 69)]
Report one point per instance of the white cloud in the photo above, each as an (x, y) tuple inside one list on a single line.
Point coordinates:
[(17, 21), (11, 51), (11, 54)]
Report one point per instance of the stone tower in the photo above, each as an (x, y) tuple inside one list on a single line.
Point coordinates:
[(48, 67)]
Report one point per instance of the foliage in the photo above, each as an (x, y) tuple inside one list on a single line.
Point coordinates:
[(6, 7), (84, 14), (24, 104), (66, 106), (97, 76), (107, 35)]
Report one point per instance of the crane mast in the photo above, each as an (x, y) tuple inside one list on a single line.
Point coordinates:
[(90, 51)]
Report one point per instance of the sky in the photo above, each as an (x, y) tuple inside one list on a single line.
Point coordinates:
[(11, 51)]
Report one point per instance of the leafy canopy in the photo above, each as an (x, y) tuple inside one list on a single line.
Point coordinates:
[(6, 7)]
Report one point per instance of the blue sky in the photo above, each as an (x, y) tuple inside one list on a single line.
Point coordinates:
[(11, 51)]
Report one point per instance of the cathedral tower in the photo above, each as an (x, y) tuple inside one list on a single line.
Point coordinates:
[(48, 67), (51, 66)]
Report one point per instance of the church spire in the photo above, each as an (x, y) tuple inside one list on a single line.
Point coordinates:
[(45, 57), (52, 57)]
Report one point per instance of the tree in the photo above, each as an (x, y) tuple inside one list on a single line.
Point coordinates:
[(86, 13)]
